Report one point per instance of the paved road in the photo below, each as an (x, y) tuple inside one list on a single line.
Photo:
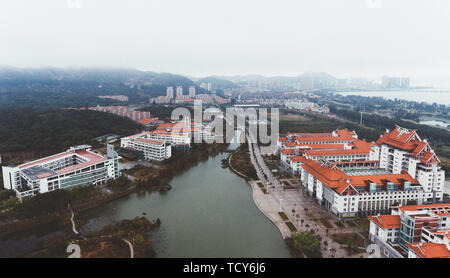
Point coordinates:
[(73, 222), (131, 247), (291, 202)]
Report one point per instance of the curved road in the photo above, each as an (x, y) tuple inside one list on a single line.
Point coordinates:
[(131, 247)]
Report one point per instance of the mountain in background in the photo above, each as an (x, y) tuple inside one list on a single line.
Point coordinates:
[(81, 86), (217, 83), (98, 79), (260, 78)]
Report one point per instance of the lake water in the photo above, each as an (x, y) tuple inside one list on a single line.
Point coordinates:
[(429, 96), (435, 123), (209, 212)]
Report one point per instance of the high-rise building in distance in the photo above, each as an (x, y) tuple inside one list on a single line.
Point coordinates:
[(170, 92), (395, 82), (179, 91), (192, 91)]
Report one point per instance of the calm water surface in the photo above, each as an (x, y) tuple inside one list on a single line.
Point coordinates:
[(209, 212), (429, 96)]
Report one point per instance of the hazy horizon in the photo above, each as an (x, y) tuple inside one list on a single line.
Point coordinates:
[(351, 38)]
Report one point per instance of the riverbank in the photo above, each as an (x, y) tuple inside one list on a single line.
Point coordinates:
[(207, 213), (234, 170), (125, 239), (115, 190), (262, 201), (266, 205)]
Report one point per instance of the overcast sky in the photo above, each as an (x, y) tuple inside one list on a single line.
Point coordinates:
[(225, 37)]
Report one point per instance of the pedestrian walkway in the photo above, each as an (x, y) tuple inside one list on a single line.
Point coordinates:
[(294, 205)]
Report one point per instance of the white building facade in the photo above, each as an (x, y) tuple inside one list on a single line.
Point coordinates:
[(151, 149), (76, 167), (403, 150)]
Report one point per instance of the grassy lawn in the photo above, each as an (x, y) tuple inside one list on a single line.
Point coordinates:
[(241, 162), (326, 223), (351, 223), (363, 223), (141, 172), (346, 238), (339, 224), (293, 117), (291, 227), (283, 216), (436, 118)]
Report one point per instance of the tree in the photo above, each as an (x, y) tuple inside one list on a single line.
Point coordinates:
[(307, 243), (138, 239)]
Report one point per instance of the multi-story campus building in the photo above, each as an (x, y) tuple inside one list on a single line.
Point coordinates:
[(156, 144), (144, 147), (339, 145), (417, 231), (353, 177), (182, 133), (75, 167), (403, 150), (358, 188)]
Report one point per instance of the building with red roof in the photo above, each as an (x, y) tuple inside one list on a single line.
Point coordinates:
[(146, 147), (413, 231), (149, 121), (403, 150), (400, 151), (428, 250), (75, 167), (356, 188)]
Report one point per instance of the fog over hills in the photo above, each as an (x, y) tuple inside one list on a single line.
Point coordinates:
[(57, 87), (257, 77), (126, 77)]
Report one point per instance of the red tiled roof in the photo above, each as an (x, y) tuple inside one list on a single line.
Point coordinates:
[(324, 146), (360, 147), (150, 141), (90, 156), (427, 156), (342, 135), (46, 159), (44, 175), (439, 209), (294, 134), (337, 179), (167, 124), (148, 120), (288, 151), (386, 221), (298, 158), (419, 147), (429, 250)]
